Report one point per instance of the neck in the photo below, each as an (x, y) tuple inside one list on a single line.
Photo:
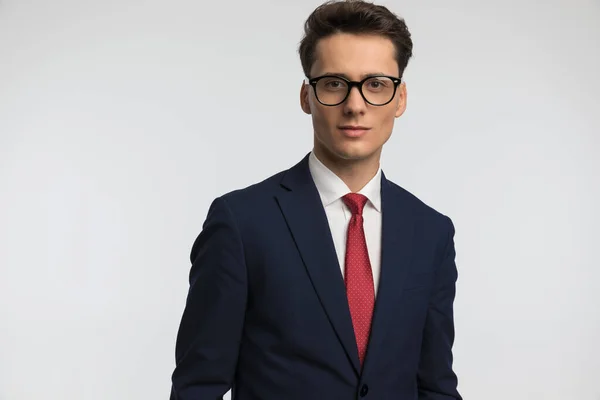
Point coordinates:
[(355, 173)]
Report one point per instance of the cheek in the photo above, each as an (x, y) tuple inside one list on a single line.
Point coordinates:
[(324, 118), (386, 120)]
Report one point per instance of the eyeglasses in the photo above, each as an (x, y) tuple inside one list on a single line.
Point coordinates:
[(332, 90)]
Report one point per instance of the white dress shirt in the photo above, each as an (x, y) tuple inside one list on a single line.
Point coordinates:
[(331, 190)]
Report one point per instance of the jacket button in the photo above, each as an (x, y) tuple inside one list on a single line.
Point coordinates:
[(364, 390)]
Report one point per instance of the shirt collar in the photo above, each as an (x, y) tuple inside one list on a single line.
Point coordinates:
[(332, 188)]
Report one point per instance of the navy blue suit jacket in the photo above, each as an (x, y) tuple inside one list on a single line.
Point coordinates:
[(267, 314)]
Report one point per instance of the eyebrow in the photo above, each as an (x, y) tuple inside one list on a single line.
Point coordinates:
[(347, 77)]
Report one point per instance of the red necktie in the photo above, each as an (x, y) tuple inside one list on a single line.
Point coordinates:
[(358, 276)]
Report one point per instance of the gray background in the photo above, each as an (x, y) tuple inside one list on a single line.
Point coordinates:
[(120, 121)]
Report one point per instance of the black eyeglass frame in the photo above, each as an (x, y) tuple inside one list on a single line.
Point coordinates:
[(313, 82)]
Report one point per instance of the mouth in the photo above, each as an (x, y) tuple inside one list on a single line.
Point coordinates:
[(353, 130)]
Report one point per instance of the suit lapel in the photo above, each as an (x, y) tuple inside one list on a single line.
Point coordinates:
[(396, 250), (307, 221)]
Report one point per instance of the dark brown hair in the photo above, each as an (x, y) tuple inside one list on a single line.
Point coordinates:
[(357, 17)]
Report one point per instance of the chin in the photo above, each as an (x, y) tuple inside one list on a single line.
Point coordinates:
[(353, 152), (342, 148)]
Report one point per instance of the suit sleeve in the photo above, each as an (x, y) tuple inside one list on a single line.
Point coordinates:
[(208, 339), (436, 378)]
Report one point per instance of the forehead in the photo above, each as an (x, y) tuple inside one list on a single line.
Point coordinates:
[(355, 55)]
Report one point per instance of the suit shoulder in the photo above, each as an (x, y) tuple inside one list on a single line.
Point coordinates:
[(419, 207), (255, 191)]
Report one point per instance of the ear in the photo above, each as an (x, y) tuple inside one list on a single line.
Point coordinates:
[(402, 100), (304, 93)]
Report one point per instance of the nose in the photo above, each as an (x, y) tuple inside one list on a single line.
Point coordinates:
[(355, 102)]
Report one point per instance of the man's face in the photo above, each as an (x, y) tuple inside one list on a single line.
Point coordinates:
[(353, 56)]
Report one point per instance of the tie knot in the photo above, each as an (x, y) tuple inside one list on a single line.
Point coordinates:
[(355, 202)]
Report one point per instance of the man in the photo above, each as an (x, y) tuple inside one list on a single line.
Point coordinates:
[(327, 280)]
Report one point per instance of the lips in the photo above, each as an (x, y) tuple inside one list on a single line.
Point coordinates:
[(353, 130)]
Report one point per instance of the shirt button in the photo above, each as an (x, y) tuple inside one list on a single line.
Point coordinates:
[(364, 390)]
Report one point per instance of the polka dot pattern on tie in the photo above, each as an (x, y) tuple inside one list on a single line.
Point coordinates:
[(359, 277)]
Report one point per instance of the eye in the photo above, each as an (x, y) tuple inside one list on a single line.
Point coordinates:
[(378, 84), (334, 84)]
